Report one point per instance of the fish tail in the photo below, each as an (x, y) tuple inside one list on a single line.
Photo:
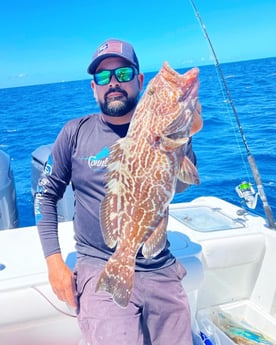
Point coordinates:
[(117, 278)]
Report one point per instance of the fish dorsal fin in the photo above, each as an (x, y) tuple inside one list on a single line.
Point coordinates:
[(109, 211), (109, 220), (157, 240), (115, 157), (187, 172)]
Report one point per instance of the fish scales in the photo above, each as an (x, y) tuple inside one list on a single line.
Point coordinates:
[(142, 173)]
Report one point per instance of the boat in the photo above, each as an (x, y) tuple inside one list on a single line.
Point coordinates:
[(228, 252)]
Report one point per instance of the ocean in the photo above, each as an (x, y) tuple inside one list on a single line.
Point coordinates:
[(33, 115)]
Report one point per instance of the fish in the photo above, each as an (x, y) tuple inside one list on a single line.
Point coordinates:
[(142, 173)]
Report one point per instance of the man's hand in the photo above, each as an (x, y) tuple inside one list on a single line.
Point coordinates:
[(61, 279)]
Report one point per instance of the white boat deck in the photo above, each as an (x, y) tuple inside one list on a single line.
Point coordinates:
[(235, 270)]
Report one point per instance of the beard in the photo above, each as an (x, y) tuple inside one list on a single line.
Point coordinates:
[(119, 105)]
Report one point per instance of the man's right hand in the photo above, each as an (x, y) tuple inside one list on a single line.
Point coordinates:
[(61, 279)]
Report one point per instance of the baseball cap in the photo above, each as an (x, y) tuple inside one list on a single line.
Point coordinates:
[(113, 47)]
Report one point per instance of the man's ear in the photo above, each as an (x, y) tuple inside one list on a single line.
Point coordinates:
[(141, 80), (94, 89)]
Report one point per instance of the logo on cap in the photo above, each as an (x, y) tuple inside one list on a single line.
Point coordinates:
[(103, 47)]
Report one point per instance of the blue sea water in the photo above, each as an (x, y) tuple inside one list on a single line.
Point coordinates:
[(32, 116)]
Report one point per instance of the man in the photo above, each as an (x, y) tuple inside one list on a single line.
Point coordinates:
[(158, 312)]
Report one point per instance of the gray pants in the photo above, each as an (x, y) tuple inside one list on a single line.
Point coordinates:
[(158, 312)]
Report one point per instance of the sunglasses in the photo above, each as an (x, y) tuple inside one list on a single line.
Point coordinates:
[(122, 74)]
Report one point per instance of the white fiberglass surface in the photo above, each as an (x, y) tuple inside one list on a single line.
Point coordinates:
[(204, 219)]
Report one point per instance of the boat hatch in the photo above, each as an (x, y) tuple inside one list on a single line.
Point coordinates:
[(204, 219)]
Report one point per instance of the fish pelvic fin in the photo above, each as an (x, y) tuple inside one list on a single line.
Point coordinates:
[(187, 172), (117, 278), (157, 240)]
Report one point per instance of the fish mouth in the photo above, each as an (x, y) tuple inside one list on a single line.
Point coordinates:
[(190, 92)]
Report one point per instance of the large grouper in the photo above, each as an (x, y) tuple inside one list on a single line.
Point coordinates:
[(142, 173)]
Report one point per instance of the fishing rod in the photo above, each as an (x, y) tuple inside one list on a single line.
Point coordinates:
[(251, 160)]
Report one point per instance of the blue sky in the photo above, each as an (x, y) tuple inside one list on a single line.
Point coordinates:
[(53, 40)]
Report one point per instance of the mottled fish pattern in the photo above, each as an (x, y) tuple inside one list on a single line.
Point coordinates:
[(142, 173)]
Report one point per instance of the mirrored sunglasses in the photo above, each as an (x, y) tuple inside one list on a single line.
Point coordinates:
[(122, 74)]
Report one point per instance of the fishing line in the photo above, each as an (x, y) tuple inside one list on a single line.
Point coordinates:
[(251, 160), (52, 303)]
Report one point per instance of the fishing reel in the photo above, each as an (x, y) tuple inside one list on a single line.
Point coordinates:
[(246, 192)]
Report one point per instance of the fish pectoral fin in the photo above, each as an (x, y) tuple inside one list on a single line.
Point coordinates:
[(157, 240), (187, 172), (109, 220), (172, 142)]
